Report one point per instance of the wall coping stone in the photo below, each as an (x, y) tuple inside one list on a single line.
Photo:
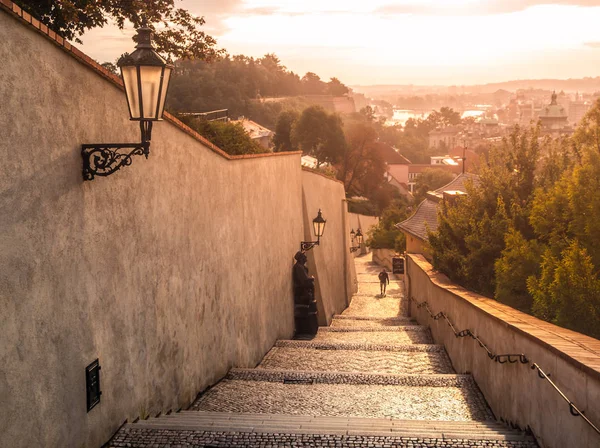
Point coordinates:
[(317, 172), (578, 349), (24, 17)]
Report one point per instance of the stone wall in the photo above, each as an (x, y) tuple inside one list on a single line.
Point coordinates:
[(330, 262), (365, 223), (514, 391), (171, 271), (383, 257)]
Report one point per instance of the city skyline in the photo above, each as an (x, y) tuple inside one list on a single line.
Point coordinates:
[(401, 42)]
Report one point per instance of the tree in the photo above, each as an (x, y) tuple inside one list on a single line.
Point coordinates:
[(319, 134), (568, 292), (519, 261), (385, 235), (176, 31), (312, 84), (360, 157), (336, 88), (230, 137), (283, 131), (431, 179)]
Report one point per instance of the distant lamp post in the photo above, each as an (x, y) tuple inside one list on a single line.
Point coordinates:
[(318, 228), (358, 236), (146, 77)]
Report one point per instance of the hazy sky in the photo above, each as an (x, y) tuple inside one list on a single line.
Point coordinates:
[(400, 42)]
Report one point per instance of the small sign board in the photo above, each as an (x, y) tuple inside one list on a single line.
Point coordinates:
[(398, 265)]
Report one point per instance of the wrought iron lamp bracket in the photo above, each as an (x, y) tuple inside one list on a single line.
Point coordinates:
[(104, 159), (354, 248), (305, 246)]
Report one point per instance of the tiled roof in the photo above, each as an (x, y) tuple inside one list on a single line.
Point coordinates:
[(459, 183), (424, 219), (390, 154)]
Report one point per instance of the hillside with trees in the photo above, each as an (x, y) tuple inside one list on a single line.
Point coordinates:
[(529, 233)]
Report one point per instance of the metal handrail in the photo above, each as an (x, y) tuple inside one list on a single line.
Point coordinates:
[(504, 358)]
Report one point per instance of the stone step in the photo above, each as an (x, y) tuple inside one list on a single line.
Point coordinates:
[(297, 424), (360, 321), (365, 361), (334, 394), (136, 437), (427, 348), (407, 334), (369, 305)]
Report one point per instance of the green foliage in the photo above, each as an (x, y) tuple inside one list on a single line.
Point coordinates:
[(385, 235), (230, 137), (176, 32), (530, 231), (362, 207), (430, 179), (319, 134), (568, 291), (519, 260), (283, 131), (336, 88), (239, 84)]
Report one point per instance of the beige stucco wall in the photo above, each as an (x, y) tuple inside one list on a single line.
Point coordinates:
[(364, 223), (400, 172), (515, 392), (330, 262), (170, 271), (383, 257)]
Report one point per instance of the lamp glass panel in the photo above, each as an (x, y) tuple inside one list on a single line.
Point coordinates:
[(319, 227), (163, 93), (150, 77), (130, 80)]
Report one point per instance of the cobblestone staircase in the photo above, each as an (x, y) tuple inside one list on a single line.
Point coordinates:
[(373, 378)]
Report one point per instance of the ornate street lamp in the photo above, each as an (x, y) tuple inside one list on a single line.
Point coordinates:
[(146, 77), (318, 228), (359, 239)]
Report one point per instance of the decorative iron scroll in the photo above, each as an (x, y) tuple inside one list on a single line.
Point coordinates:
[(105, 159), (305, 246), (504, 358)]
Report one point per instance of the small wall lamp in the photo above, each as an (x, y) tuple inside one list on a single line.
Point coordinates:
[(146, 77), (359, 239), (318, 228)]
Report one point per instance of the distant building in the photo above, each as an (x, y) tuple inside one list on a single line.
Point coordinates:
[(554, 118), (416, 169), (424, 219), (444, 137), (397, 167), (577, 110), (258, 133)]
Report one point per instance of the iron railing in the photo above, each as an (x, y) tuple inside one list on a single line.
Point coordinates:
[(507, 357)]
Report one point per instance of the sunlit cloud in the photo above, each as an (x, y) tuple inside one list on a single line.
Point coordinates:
[(460, 41)]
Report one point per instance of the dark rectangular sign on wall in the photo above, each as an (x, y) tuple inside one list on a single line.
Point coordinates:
[(398, 265)]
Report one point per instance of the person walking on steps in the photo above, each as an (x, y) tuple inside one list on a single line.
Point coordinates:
[(384, 280)]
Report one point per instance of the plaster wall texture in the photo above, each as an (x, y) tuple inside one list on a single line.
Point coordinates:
[(383, 257), (171, 271), (333, 278), (400, 172), (514, 391), (365, 223)]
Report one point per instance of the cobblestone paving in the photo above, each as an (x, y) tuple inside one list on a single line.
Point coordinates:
[(402, 402), (427, 348), (357, 361), (147, 438), (373, 290), (336, 322), (385, 307), (376, 337)]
